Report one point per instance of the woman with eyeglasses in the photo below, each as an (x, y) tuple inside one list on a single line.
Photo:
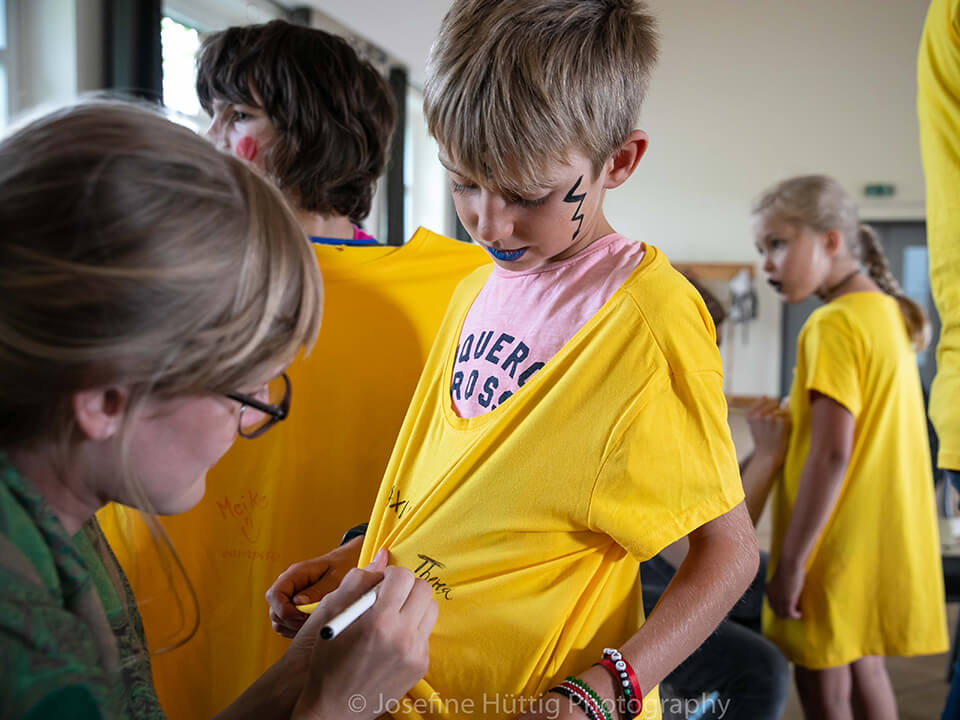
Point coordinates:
[(152, 292)]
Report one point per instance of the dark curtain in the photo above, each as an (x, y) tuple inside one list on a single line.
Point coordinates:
[(395, 232), (132, 52)]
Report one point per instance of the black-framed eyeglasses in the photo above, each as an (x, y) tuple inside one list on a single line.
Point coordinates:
[(265, 409)]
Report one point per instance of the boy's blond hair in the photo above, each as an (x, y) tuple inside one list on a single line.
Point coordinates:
[(514, 86)]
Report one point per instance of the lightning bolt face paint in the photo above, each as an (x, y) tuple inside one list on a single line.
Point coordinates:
[(246, 148), (573, 197)]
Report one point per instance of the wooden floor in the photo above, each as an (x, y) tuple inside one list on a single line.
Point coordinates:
[(919, 683)]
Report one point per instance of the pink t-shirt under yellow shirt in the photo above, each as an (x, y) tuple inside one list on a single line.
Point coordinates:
[(520, 320)]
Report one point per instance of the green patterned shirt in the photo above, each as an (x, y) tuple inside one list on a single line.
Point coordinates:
[(71, 640)]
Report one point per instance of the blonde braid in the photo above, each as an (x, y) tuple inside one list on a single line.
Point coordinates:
[(875, 263)]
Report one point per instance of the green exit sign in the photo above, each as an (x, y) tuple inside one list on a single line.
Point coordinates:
[(879, 190)]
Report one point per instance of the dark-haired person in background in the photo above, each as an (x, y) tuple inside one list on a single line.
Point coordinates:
[(316, 119), (308, 112)]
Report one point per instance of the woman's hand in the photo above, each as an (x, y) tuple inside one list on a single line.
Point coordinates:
[(377, 658), (308, 582), (770, 429), (783, 592)]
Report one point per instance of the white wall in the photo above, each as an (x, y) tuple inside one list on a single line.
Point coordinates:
[(58, 45), (404, 28), (210, 15), (426, 186), (750, 91)]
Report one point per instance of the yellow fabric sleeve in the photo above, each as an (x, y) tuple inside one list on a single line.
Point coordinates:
[(832, 357), (672, 470)]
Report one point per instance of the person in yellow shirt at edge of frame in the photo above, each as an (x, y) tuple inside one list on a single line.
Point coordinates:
[(938, 113)]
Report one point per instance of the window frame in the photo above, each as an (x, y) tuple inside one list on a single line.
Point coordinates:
[(8, 57)]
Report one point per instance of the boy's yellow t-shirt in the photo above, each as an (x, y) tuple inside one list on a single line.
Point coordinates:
[(938, 106), (290, 494), (874, 583), (530, 520)]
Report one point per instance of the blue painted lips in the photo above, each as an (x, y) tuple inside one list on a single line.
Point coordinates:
[(508, 255)]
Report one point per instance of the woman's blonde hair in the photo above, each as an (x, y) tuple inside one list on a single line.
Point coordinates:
[(514, 86), (133, 253), (821, 203)]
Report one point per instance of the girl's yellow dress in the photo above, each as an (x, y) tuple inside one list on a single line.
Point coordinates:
[(874, 583)]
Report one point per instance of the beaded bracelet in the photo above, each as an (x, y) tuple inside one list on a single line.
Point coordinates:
[(626, 680), (597, 700), (575, 695), (626, 700)]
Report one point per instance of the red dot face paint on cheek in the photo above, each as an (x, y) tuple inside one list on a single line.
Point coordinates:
[(246, 148)]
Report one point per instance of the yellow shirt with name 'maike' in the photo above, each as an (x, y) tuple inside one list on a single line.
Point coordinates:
[(530, 520), (874, 583), (290, 494)]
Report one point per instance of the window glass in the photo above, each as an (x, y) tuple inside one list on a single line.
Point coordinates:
[(916, 282), (180, 44)]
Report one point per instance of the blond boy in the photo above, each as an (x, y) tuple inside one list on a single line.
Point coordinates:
[(570, 420)]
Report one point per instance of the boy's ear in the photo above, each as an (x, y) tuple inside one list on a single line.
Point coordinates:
[(99, 411), (624, 162)]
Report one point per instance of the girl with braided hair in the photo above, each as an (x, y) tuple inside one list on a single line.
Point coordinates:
[(854, 565)]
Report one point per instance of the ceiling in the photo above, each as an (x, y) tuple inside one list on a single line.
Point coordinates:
[(404, 28)]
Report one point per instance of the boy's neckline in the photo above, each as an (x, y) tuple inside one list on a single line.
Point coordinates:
[(652, 259), (859, 293), (597, 245)]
